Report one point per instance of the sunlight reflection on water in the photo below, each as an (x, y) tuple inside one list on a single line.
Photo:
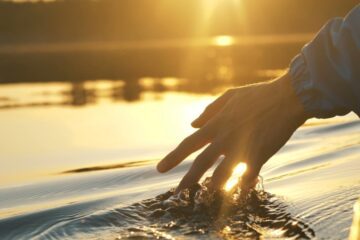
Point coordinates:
[(44, 129), (107, 145)]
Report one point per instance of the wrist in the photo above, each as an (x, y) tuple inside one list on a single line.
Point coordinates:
[(289, 100)]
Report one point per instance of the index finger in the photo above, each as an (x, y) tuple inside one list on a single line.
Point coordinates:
[(212, 109), (189, 145)]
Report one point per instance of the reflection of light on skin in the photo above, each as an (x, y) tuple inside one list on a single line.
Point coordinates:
[(223, 41), (271, 73), (233, 180)]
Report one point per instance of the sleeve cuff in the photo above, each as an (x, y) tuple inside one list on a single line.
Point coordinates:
[(302, 84), (310, 93)]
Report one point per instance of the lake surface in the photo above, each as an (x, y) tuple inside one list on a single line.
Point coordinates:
[(78, 162)]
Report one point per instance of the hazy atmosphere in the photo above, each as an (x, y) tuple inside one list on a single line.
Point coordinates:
[(94, 93)]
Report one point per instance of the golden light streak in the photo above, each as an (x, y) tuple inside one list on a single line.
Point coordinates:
[(204, 27), (238, 171), (209, 6)]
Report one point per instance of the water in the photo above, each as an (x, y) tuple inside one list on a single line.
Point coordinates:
[(78, 162)]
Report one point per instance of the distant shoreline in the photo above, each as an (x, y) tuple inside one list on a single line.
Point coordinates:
[(84, 46)]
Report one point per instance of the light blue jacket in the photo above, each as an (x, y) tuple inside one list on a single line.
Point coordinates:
[(326, 74)]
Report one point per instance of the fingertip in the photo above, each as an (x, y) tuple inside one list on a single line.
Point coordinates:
[(160, 168), (196, 123), (193, 123)]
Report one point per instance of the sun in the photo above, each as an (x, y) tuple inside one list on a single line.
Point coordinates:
[(223, 41)]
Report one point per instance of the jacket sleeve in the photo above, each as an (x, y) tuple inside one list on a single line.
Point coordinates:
[(326, 73)]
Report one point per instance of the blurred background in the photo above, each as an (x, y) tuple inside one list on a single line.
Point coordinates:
[(94, 92), (143, 45), (78, 77)]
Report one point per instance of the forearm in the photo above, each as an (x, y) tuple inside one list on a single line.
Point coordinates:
[(326, 73)]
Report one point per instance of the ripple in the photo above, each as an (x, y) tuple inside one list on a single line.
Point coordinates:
[(197, 212), (324, 209)]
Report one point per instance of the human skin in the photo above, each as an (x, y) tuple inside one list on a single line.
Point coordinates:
[(246, 124)]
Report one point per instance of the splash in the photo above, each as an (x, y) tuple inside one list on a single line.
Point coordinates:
[(201, 211)]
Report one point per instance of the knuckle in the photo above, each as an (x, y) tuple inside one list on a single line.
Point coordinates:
[(205, 132)]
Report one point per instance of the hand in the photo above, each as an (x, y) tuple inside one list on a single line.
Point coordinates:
[(247, 124)]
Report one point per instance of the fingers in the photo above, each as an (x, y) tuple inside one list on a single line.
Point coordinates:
[(200, 165), (212, 109), (189, 145), (222, 172), (225, 169), (250, 177)]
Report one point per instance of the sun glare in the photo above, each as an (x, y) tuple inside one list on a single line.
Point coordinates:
[(223, 41), (236, 174)]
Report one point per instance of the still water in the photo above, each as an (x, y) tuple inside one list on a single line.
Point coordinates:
[(78, 162)]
